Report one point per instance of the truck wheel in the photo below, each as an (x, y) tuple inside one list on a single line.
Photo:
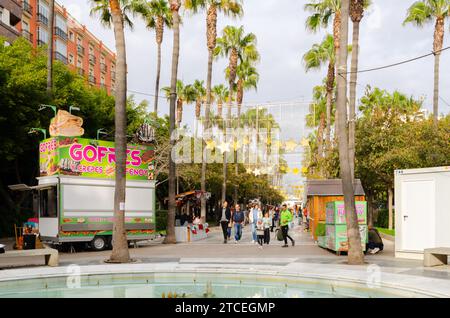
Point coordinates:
[(98, 243)]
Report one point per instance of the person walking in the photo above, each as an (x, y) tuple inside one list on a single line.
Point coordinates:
[(267, 221), (285, 220), (225, 220), (238, 219), (260, 229), (275, 216), (253, 218)]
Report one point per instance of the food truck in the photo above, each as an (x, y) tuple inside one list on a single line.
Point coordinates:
[(75, 191)]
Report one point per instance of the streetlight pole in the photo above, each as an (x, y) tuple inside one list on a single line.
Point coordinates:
[(101, 131), (43, 131), (42, 106), (73, 108)]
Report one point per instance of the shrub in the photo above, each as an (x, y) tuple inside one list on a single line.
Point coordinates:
[(161, 220)]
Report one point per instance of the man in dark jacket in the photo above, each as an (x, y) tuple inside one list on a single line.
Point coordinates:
[(224, 220)]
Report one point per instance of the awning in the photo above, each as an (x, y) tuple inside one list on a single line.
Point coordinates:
[(24, 187)]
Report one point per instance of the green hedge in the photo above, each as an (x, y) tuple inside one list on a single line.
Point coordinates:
[(320, 230), (383, 218), (161, 220)]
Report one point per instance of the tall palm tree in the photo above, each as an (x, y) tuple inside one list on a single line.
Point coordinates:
[(157, 17), (322, 13), (235, 45), (174, 8), (213, 7), (318, 55), (426, 11), (248, 78), (356, 14), (50, 48), (355, 254), (115, 12)]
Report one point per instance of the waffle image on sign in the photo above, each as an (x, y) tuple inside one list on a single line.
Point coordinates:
[(66, 124), (148, 156)]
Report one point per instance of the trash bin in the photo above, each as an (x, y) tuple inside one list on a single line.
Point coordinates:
[(29, 241)]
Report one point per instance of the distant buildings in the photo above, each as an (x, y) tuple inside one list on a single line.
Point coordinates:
[(74, 45)]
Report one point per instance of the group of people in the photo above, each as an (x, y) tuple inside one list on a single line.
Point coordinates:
[(262, 222)]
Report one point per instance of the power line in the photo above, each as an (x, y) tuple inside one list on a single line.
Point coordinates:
[(444, 101), (398, 63)]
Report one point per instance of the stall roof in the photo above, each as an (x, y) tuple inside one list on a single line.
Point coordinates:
[(329, 187)]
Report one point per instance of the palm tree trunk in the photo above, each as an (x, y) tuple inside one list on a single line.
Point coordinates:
[(51, 21), (206, 127), (390, 208), (355, 255), (437, 47), (352, 108), (174, 6), (158, 76), (337, 23), (120, 253), (330, 89)]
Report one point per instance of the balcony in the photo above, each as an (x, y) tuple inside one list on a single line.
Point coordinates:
[(27, 8), (113, 75), (60, 57), (92, 79), (41, 43), (80, 49), (92, 59), (27, 35), (61, 33), (103, 67), (80, 71), (42, 18)]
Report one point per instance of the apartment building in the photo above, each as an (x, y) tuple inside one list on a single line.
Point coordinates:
[(10, 17), (73, 43)]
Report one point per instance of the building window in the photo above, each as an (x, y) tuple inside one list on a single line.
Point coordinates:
[(42, 36), (71, 59), (71, 37), (61, 27), (43, 12)]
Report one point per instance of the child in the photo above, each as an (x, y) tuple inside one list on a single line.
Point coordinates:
[(267, 221), (260, 230)]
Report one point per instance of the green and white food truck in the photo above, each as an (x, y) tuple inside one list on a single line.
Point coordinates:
[(75, 191)]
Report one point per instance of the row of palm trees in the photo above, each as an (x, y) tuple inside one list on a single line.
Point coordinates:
[(333, 52), (235, 45)]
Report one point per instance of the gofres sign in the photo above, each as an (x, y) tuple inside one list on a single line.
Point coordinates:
[(93, 158)]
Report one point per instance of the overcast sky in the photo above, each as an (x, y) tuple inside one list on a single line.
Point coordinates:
[(282, 40)]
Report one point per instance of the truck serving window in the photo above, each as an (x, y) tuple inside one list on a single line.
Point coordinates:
[(48, 203)]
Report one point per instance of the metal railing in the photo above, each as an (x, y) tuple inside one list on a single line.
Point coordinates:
[(92, 79), (80, 71), (61, 33), (80, 49), (27, 35), (60, 57), (103, 67), (27, 8), (92, 59), (42, 18), (40, 42)]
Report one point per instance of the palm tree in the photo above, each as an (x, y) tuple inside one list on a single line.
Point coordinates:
[(420, 13), (200, 96), (174, 8), (185, 94), (50, 48), (237, 46), (230, 8), (220, 94), (157, 17), (322, 13), (114, 12), (356, 14), (318, 55), (355, 254)]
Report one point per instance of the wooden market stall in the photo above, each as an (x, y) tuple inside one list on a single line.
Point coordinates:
[(319, 192)]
